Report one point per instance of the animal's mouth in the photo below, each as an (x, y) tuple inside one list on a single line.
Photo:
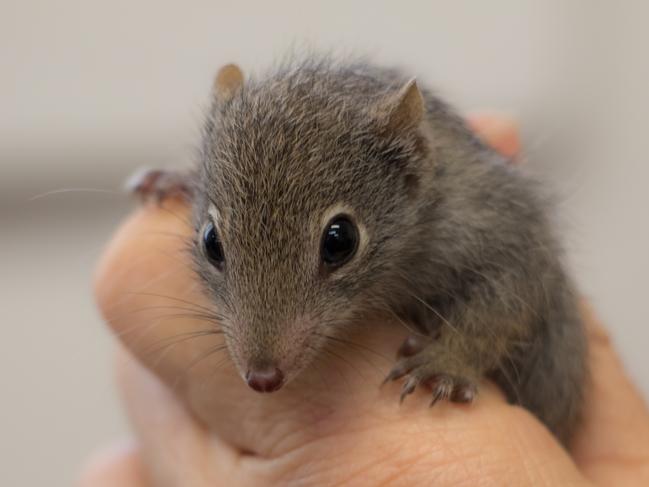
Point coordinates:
[(267, 366), (265, 379)]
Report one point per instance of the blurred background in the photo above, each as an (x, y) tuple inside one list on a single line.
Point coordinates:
[(91, 90)]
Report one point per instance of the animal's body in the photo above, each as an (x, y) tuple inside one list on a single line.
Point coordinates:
[(326, 190)]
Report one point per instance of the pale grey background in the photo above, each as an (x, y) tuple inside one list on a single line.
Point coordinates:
[(90, 90)]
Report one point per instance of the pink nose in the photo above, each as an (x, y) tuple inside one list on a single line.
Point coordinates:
[(265, 379)]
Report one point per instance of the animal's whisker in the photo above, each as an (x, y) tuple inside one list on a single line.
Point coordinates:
[(358, 346), (435, 312), (316, 364), (73, 190), (172, 298), (340, 358), (190, 311), (209, 352), (173, 342), (157, 321)]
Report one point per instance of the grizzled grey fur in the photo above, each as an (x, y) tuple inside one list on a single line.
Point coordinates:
[(455, 241)]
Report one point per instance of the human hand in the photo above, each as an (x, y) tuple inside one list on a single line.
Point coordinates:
[(333, 425)]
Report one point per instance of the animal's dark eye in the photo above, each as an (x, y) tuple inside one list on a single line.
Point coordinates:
[(339, 242), (212, 245)]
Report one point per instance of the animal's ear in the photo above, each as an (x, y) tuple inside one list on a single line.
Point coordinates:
[(406, 109), (228, 81)]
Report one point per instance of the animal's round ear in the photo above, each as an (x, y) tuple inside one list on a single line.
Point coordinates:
[(228, 81), (406, 109)]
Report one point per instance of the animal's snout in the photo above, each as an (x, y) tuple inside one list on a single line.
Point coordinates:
[(265, 379)]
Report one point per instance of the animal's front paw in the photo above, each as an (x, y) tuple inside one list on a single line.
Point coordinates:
[(424, 362), (158, 185)]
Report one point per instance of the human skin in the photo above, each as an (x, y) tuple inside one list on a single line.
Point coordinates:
[(196, 423)]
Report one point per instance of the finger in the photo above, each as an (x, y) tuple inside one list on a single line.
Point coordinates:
[(143, 273), (119, 465), (499, 131), (613, 443), (488, 443), (151, 298), (176, 449), (386, 445), (614, 440), (271, 426), (145, 277)]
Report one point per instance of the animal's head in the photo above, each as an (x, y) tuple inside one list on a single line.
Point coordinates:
[(308, 196)]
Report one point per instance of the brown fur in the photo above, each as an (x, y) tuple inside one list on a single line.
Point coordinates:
[(453, 239)]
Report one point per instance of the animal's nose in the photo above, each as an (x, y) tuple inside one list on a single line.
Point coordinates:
[(265, 379)]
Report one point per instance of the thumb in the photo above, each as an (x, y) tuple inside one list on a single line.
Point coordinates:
[(613, 445), (499, 131), (118, 465), (175, 449)]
